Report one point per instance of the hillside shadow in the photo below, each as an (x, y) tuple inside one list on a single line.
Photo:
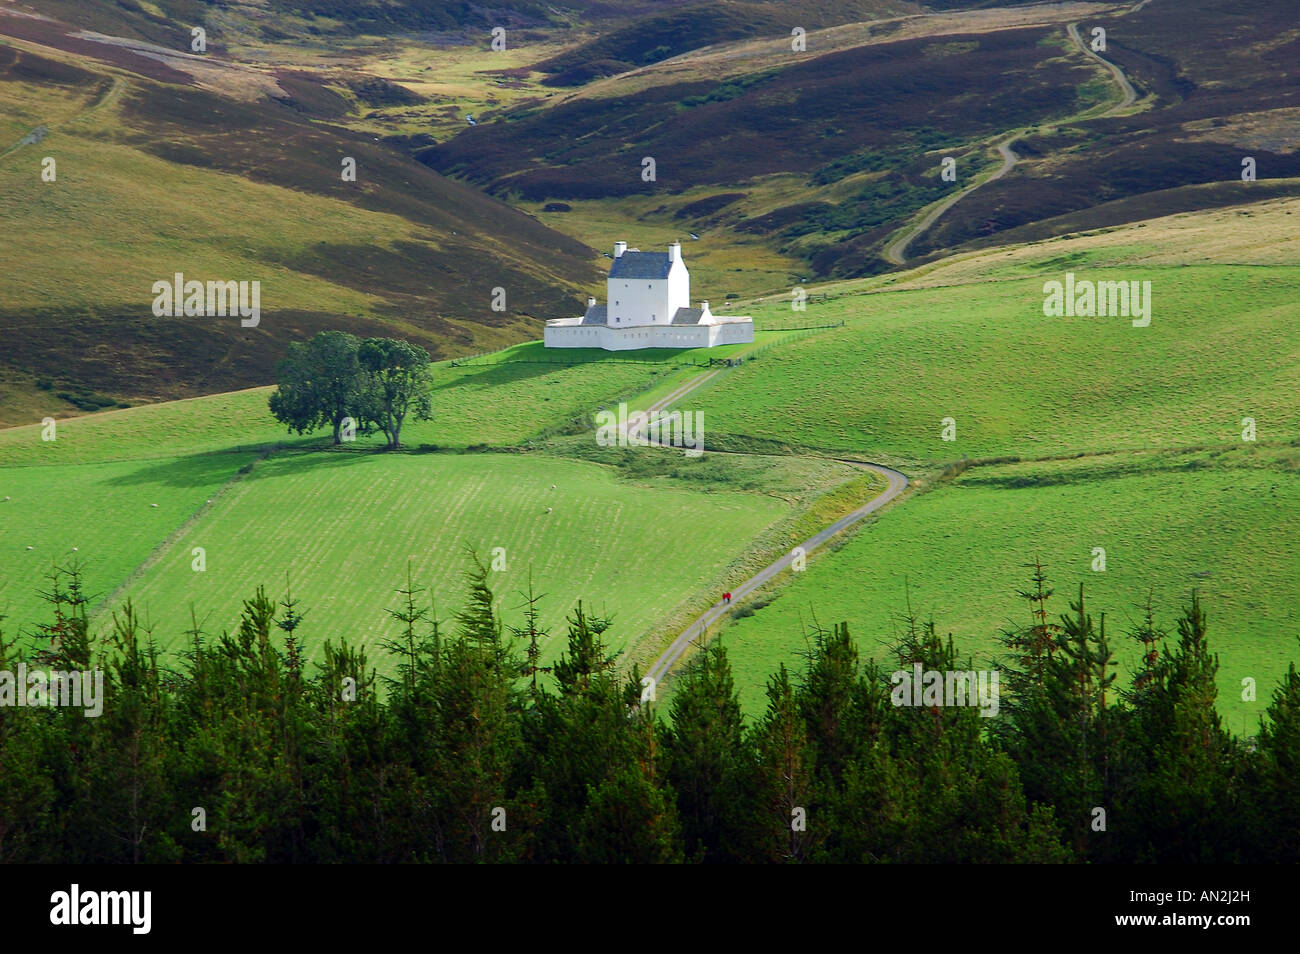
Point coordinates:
[(495, 374), (663, 360), (213, 469)]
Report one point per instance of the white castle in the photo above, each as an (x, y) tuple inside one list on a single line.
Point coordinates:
[(649, 306)]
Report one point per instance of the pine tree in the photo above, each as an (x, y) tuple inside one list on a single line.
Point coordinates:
[(477, 731), (30, 805), (287, 623), (587, 657), (1033, 647), (592, 757), (1184, 808), (129, 770), (417, 647), (66, 644), (1078, 681), (944, 792), (785, 780), (831, 701), (1062, 728), (246, 766), (708, 757), (1277, 787), (533, 636), (349, 765), (629, 816)]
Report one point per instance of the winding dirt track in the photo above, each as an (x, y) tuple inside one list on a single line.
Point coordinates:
[(107, 97), (897, 484), (1130, 94), (896, 251)]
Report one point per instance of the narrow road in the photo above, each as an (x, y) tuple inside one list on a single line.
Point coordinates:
[(896, 251), (664, 664), (1130, 94), (897, 483), (107, 97)]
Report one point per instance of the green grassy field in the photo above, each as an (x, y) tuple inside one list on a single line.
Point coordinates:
[(91, 486), (499, 403), (344, 527), (607, 538), (647, 536), (1183, 502), (102, 509), (1018, 383), (1079, 433)]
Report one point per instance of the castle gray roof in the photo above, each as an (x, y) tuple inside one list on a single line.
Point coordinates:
[(596, 315), (640, 265), (688, 316)]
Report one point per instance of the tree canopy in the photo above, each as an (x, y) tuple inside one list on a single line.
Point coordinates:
[(236, 751), (336, 377)]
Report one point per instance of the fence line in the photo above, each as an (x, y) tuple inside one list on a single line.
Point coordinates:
[(467, 359), (837, 324), (795, 334), (561, 359)]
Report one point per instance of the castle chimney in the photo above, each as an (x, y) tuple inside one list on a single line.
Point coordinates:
[(619, 248), (704, 307), (591, 302), (674, 251)]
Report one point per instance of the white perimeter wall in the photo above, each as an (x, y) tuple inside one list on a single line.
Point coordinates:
[(628, 339)]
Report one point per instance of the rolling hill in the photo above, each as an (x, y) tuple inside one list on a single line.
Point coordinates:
[(155, 176), (827, 153)]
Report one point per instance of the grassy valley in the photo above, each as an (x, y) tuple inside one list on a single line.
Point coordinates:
[(1024, 281), (814, 177), (795, 182), (1070, 434)]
